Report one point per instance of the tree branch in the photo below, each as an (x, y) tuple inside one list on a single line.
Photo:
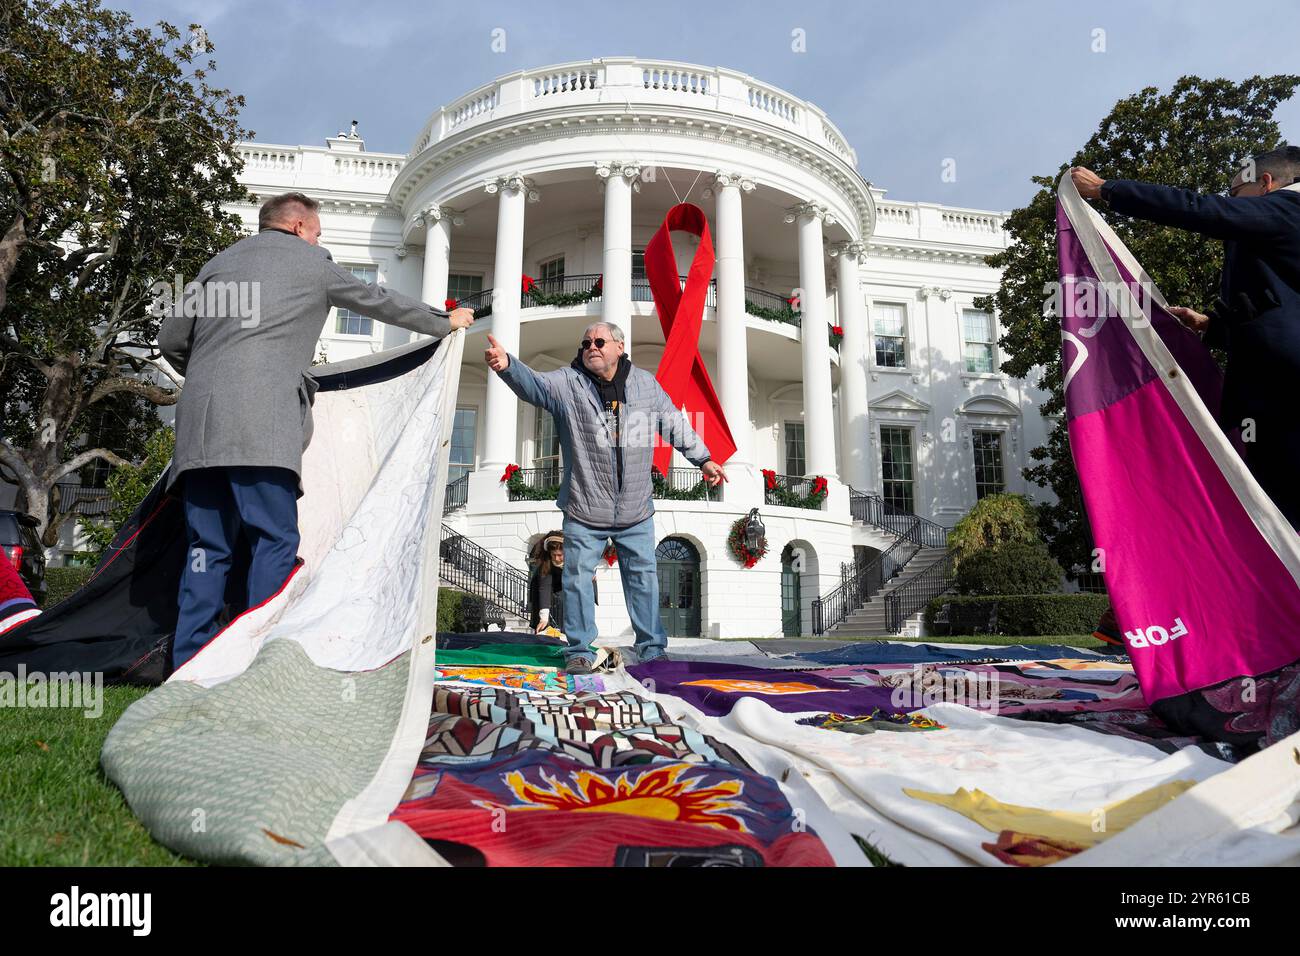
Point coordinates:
[(83, 459), (154, 393)]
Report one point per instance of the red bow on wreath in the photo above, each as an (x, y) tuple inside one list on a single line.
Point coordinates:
[(819, 485), (837, 330), (610, 555), (769, 476), (529, 282), (510, 470), (449, 304)]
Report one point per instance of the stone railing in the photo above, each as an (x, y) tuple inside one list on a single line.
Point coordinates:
[(318, 168), (630, 82), (941, 224)]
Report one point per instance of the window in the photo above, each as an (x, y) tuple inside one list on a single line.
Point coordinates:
[(640, 285), (546, 450), (461, 286), (977, 330), (461, 459), (352, 323), (794, 456), (988, 463), (551, 276), (896, 468), (889, 328)]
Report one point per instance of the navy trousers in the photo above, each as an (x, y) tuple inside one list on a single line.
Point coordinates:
[(221, 506)]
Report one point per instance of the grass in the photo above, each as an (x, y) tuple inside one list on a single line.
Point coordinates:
[(58, 809), (56, 806)]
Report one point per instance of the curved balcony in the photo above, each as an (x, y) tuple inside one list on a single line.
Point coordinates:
[(569, 291), (631, 81)]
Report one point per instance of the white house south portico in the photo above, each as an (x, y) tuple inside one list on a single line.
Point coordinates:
[(839, 331)]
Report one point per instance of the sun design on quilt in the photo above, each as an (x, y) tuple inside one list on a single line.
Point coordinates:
[(662, 793), (763, 687)]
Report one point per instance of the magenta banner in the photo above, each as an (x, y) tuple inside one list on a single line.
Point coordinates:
[(1202, 568)]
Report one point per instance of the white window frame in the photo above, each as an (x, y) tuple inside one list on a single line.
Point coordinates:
[(993, 344), (473, 463), (906, 367), (376, 327)]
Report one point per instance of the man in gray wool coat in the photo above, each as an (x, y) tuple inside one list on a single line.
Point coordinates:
[(244, 414)]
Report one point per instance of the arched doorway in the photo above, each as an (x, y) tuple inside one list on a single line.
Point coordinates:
[(679, 587), (791, 600)]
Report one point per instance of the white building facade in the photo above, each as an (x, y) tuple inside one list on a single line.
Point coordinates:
[(563, 174)]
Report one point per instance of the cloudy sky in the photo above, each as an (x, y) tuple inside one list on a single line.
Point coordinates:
[(1007, 89)]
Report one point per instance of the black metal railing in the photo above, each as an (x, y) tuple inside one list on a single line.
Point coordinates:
[(905, 600), (480, 572), (871, 509), (684, 484), (456, 495), (758, 302), (860, 582), (575, 290), (791, 491), (641, 291), (535, 484)]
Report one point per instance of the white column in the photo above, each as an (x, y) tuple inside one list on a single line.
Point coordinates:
[(437, 222), (819, 429), (620, 180), (502, 412), (733, 349), (855, 466)]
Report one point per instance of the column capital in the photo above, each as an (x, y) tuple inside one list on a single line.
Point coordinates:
[(514, 181), (399, 251), (852, 249), (927, 291), (629, 169), (435, 212), (728, 177), (813, 210)]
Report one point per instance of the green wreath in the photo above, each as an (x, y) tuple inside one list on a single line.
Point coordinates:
[(736, 544)]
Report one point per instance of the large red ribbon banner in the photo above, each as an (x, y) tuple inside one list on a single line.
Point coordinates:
[(681, 316)]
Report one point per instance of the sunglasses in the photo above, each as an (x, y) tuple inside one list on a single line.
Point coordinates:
[(588, 343)]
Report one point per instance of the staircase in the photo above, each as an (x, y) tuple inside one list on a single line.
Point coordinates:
[(878, 596), (873, 617), (468, 567)]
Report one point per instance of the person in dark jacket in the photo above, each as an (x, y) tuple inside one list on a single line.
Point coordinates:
[(1256, 319), (546, 585)]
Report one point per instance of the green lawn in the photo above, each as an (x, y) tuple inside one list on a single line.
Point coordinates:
[(58, 809), (56, 806)]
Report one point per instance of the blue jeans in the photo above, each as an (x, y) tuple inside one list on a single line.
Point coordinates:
[(583, 546), (220, 505)]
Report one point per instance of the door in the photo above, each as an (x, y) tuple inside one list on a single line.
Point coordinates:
[(791, 602), (679, 587)]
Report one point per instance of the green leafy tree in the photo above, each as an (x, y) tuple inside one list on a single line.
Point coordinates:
[(117, 160), (995, 520), (1192, 136), (128, 485)]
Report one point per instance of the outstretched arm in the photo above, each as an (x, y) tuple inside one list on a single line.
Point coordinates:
[(535, 388), (370, 299), (677, 431)]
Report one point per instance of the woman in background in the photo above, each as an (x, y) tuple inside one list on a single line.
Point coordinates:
[(546, 585)]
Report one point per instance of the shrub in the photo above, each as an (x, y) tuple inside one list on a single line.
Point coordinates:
[(1012, 568), (62, 582), (1033, 614), (995, 519), (449, 617)]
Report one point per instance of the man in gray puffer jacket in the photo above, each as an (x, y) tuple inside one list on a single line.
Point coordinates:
[(607, 413)]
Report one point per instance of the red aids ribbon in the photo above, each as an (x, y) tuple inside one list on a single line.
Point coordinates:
[(681, 315)]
